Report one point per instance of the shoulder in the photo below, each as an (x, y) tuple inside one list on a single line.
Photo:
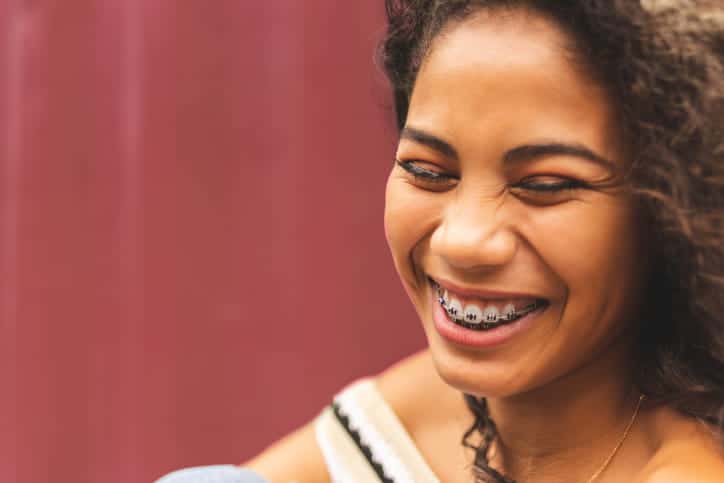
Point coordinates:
[(434, 414), (689, 452), (409, 377), (697, 470), (297, 456), (418, 395), (414, 375), (415, 393)]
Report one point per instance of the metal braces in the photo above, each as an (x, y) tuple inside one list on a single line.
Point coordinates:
[(452, 312)]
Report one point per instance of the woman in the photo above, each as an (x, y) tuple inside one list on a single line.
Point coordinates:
[(555, 213)]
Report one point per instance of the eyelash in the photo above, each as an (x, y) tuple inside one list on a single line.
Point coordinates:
[(564, 185), (438, 178), (423, 174)]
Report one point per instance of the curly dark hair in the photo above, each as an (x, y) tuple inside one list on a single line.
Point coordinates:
[(662, 62)]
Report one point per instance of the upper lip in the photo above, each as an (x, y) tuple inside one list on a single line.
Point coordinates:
[(483, 293)]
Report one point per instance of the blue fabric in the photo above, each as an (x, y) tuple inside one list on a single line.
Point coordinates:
[(213, 474)]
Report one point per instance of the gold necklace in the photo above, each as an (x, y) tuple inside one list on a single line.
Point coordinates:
[(620, 442)]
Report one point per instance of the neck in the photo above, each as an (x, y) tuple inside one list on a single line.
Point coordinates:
[(571, 425)]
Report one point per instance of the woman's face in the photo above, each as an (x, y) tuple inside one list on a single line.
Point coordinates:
[(506, 193)]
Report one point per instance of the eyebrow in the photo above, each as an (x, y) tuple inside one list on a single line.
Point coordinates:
[(532, 151), (516, 155), (430, 141)]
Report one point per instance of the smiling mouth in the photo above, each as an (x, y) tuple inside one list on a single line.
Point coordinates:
[(484, 314)]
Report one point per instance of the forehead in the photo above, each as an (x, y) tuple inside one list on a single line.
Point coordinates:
[(511, 74), (513, 35)]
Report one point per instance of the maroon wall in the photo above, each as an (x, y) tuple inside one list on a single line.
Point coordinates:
[(192, 257)]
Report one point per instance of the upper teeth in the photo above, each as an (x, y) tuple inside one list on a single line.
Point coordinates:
[(491, 313), (454, 308), (472, 313), (508, 311)]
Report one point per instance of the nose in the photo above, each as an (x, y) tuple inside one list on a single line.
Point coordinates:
[(474, 234)]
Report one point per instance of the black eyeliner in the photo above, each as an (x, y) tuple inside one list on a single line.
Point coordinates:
[(421, 173), (568, 184)]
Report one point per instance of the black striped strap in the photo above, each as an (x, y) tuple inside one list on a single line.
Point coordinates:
[(365, 449)]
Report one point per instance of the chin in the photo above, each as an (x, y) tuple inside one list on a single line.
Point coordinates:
[(474, 374)]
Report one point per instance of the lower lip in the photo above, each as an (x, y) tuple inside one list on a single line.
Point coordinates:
[(478, 338)]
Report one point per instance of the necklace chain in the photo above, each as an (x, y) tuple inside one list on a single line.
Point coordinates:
[(619, 444)]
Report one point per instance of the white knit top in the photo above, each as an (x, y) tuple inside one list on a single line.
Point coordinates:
[(363, 440)]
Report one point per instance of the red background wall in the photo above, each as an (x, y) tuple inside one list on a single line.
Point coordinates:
[(192, 257)]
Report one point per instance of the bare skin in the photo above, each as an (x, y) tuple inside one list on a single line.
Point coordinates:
[(559, 391), (663, 446)]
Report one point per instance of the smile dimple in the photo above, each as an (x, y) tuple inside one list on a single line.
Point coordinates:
[(477, 311)]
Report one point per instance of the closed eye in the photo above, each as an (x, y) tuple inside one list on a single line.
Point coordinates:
[(547, 190), (426, 176), (550, 187)]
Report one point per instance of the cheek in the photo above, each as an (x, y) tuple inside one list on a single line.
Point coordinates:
[(410, 216), (605, 246), (598, 259)]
